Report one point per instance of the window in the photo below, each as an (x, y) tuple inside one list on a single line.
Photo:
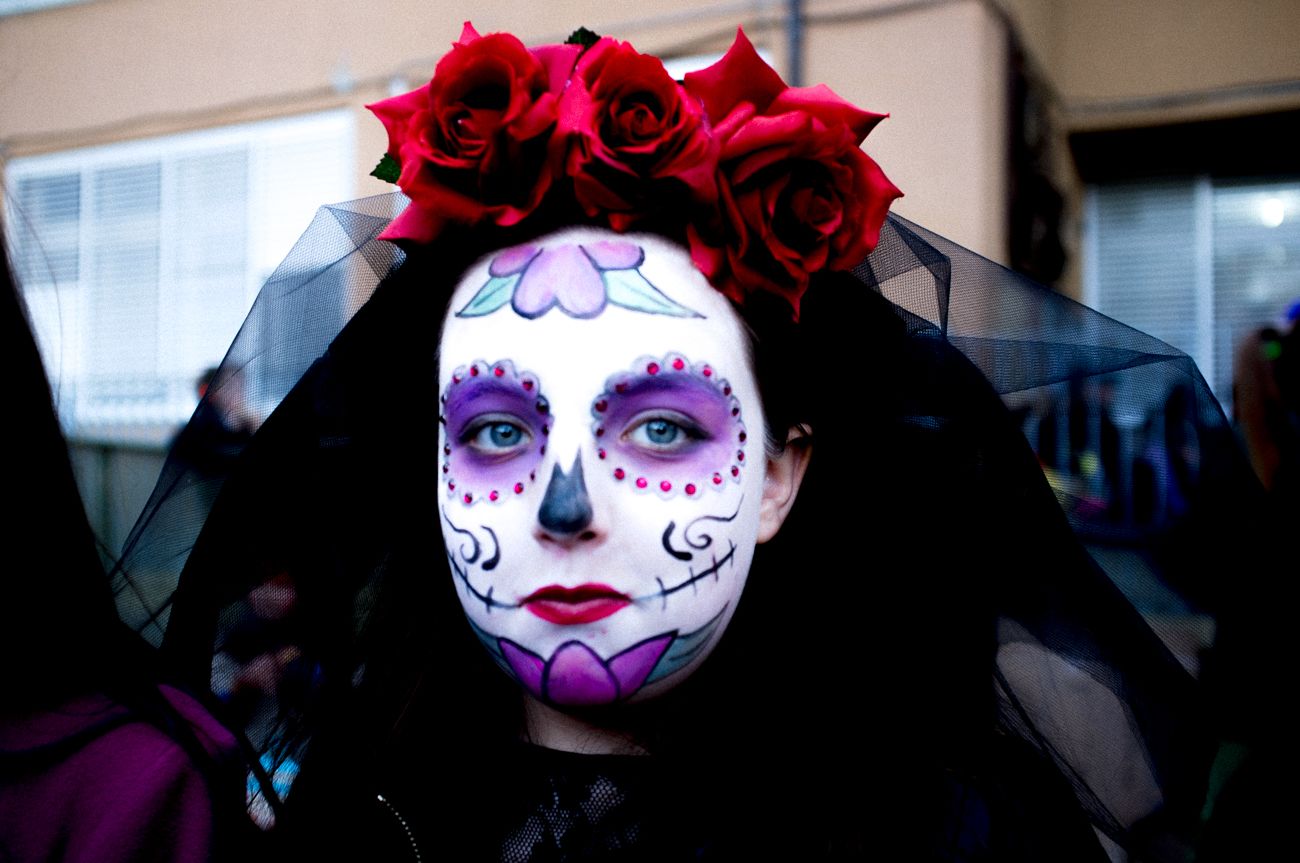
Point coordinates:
[(139, 260), (1196, 262)]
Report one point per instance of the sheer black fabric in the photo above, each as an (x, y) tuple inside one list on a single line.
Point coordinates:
[(1005, 678)]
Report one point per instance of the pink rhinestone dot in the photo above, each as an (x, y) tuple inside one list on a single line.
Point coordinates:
[(679, 364), (665, 486), (743, 437), (600, 452), (740, 455), (735, 471), (601, 405), (690, 488), (473, 371), (492, 495), (618, 473), (717, 479), (468, 497), (528, 386), (726, 391), (640, 482), (519, 488), (498, 371), (653, 368), (707, 372)]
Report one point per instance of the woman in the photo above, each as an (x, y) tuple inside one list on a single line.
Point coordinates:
[(625, 411)]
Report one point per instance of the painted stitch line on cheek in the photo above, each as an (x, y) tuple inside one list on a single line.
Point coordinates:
[(671, 427), (495, 423)]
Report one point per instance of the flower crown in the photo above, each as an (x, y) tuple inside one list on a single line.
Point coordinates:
[(769, 180)]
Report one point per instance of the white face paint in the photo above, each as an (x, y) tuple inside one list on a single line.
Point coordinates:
[(603, 463)]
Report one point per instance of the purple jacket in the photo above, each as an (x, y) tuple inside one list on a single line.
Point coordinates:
[(90, 782)]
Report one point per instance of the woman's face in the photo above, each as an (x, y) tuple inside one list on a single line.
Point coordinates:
[(602, 484)]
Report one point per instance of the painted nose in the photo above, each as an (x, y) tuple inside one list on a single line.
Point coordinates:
[(566, 513)]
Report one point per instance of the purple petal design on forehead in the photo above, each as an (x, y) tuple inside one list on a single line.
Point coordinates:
[(615, 255), (512, 261), (564, 276), (580, 279)]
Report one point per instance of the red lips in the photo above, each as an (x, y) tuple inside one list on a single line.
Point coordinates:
[(570, 605)]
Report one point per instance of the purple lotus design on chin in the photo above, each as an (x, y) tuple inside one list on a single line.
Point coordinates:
[(575, 676), (581, 279)]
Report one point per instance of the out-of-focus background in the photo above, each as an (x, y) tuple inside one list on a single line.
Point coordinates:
[(160, 157)]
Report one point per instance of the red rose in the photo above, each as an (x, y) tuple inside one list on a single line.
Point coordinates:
[(474, 143), (797, 194), (639, 143)]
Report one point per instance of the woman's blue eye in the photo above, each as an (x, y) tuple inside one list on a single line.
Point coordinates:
[(665, 435), (496, 437), (661, 431)]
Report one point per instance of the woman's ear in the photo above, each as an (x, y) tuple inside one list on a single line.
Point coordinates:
[(782, 480)]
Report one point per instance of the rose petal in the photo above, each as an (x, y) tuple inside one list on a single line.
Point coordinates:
[(822, 102), (558, 61), (468, 34), (576, 676), (740, 76), (395, 113)]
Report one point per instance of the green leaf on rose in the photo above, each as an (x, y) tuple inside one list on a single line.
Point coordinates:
[(388, 169), (584, 37)]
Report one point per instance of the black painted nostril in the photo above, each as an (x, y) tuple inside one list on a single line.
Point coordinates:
[(566, 508)]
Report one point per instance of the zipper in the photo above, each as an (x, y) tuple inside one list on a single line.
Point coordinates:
[(406, 828)]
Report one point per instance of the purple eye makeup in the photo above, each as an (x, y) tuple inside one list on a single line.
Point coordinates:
[(670, 426), (495, 424)]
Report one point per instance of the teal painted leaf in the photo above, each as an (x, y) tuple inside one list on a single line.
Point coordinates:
[(683, 649), (631, 290), (492, 296)]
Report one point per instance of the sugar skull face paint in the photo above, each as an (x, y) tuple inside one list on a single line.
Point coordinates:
[(496, 422), (617, 446), (683, 427)]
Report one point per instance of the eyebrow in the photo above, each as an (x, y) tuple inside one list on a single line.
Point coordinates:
[(645, 384), (460, 398)]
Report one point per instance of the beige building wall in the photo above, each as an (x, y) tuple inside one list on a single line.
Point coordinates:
[(117, 69)]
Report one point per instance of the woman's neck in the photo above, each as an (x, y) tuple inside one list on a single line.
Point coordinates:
[(554, 729)]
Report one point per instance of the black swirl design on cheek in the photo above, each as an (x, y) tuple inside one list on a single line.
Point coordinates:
[(461, 563), (693, 535)]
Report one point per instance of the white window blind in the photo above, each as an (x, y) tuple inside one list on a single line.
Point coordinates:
[(1196, 262), (140, 260)]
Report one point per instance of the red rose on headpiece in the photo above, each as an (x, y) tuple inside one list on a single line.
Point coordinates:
[(797, 194), (474, 143), (639, 142)]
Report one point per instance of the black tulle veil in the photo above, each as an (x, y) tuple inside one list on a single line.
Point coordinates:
[(1004, 680)]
